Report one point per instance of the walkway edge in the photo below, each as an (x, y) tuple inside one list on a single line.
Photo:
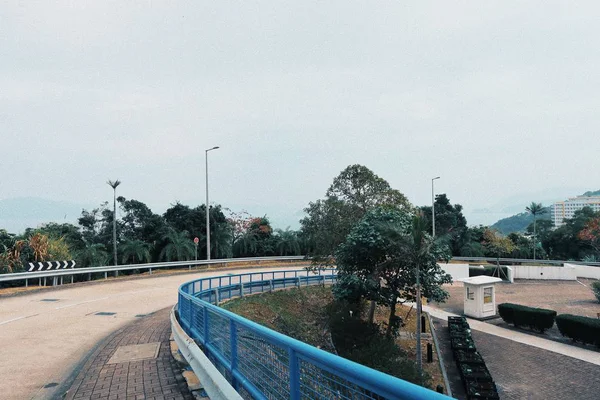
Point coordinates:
[(438, 351), (590, 356), (215, 384)]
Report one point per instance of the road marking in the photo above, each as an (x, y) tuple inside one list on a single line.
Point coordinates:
[(18, 318), (83, 302), (582, 283)]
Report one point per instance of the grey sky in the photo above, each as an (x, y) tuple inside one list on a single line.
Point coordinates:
[(499, 98)]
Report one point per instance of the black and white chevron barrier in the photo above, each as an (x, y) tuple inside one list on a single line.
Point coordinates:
[(50, 265)]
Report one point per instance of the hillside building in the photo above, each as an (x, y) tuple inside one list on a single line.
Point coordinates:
[(562, 210)]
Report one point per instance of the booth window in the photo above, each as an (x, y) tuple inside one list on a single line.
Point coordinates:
[(487, 295), (470, 294)]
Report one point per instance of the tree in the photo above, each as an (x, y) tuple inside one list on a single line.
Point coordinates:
[(389, 256), (114, 184), (450, 223), (380, 256), (136, 251), (591, 234), (496, 245), (353, 192), (287, 243), (535, 209), (179, 246), (92, 255)]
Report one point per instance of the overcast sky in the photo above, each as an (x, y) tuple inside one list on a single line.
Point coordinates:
[(498, 98)]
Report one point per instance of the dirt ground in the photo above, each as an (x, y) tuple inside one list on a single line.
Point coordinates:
[(564, 297)]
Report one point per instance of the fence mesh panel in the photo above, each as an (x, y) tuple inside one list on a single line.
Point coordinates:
[(264, 364), (318, 383), (219, 334)]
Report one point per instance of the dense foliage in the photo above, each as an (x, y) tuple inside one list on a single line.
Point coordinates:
[(143, 236), (580, 329), (539, 319)]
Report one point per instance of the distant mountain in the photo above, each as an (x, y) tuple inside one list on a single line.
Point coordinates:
[(518, 222), (596, 193), (17, 214)]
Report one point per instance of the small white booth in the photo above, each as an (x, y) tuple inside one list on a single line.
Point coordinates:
[(480, 296)]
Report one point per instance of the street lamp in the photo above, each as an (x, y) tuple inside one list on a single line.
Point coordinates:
[(433, 207), (207, 216), (114, 184)]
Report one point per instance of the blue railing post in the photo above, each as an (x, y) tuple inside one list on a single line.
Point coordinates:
[(234, 357), (294, 375)]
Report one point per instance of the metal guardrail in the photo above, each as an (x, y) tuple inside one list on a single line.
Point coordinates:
[(264, 364), (24, 276), (21, 276), (524, 260)]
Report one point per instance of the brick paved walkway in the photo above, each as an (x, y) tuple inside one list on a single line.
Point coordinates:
[(150, 379), (525, 372)]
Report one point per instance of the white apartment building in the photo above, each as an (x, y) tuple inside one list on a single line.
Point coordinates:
[(562, 210)]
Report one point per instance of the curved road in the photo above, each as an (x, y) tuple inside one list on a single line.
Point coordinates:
[(44, 335)]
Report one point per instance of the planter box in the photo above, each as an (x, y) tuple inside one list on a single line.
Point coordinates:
[(477, 372), (462, 344), (468, 357)]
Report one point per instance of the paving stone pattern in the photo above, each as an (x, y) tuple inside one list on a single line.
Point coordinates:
[(152, 379), (525, 372)]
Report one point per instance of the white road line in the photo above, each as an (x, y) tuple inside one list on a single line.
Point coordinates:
[(18, 318), (83, 302), (582, 283)]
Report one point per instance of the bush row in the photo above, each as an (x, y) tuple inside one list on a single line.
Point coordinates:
[(473, 372), (578, 328), (535, 318)]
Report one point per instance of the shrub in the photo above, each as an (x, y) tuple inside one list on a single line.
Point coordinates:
[(578, 328), (596, 289), (535, 318)]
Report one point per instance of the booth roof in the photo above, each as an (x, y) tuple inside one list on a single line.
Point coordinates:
[(480, 280)]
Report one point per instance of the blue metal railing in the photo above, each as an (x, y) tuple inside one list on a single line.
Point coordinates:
[(263, 364)]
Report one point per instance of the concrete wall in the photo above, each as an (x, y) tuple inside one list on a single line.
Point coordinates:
[(585, 271), (566, 273), (457, 271)]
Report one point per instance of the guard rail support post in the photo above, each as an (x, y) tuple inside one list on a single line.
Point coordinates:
[(116, 273), (217, 297), (106, 275), (72, 278), (61, 280), (26, 282), (150, 271), (298, 282), (294, 376), (234, 356), (270, 285), (241, 288), (90, 276)]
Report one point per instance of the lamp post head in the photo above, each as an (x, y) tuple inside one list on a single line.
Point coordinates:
[(437, 177), (213, 148)]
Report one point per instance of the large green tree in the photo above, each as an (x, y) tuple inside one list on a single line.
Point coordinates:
[(381, 256), (179, 246), (353, 192), (135, 251), (450, 223)]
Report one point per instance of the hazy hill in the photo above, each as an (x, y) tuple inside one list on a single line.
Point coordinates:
[(518, 222)]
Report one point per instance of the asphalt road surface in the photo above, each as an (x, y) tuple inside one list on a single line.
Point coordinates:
[(44, 335)]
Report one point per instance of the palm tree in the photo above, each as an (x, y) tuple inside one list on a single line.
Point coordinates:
[(114, 184), (178, 248), (221, 240), (287, 242), (136, 250), (535, 209), (246, 245), (93, 255)]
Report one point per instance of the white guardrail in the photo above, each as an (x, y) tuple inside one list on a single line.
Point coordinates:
[(24, 276)]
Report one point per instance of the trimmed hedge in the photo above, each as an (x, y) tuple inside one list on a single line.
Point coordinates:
[(535, 318), (578, 328)]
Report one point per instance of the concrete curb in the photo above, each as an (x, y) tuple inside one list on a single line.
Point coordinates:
[(209, 378), (440, 356)]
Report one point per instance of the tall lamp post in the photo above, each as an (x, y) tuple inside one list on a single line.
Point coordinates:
[(207, 215), (114, 184), (433, 207)]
